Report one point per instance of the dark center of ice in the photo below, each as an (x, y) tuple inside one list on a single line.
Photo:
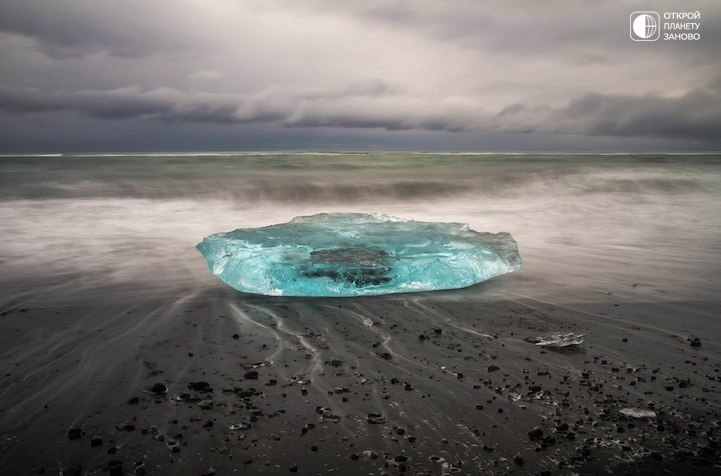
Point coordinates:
[(358, 266)]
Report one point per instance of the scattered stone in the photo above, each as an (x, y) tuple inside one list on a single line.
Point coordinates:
[(236, 336), (493, 368), (695, 342), (96, 440), (200, 386), (125, 426), (536, 434), (240, 426), (638, 413), (244, 393), (251, 375), (376, 419), (74, 433), (557, 340), (159, 389), (114, 467), (133, 401)]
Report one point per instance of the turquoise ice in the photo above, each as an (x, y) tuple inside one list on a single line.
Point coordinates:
[(356, 254)]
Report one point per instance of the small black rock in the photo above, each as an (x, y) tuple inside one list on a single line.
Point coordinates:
[(96, 441), (236, 336), (159, 389), (251, 375), (493, 368), (519, 460), (535, 434), (695, 342), (200, 386), (74, 433)]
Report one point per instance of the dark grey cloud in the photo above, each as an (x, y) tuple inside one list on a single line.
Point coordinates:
[(695, 115), (374, 104), (67, 28), (562, 69)]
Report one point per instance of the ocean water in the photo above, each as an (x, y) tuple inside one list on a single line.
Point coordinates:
[(645, 226)]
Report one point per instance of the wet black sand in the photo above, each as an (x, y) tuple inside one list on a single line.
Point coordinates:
[(210, 381)]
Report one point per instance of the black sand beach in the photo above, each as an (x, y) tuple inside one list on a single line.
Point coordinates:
[(117, 360), (436, 383)]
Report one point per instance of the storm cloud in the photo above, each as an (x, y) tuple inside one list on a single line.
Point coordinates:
[(466, 68)]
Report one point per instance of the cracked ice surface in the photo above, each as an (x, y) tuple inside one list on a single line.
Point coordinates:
[(353, 254)]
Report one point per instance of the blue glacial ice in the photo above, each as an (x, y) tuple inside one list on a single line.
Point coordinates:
[(355, 254)]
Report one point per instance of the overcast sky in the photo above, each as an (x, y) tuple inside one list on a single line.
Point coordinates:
[(108, 75)]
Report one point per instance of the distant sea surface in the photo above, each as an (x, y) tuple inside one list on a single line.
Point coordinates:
[(647, 226)]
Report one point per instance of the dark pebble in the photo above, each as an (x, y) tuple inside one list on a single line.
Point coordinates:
[(696, 342), (74, 433), (200, 386), (251, 375), (133, 401), (236, 336), (401, 459), (375, 419), (493, 368), (96, 441), (114, 467), (293, 469), (244, 393), (535, 434), (159, 389), (519, 460)]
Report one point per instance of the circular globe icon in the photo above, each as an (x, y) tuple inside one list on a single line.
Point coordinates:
[(645, 26)]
